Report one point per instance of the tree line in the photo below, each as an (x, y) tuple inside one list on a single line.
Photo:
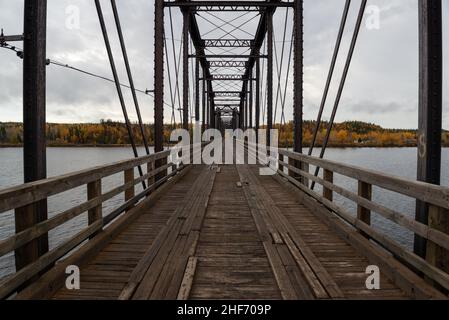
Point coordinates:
[(110, 133)]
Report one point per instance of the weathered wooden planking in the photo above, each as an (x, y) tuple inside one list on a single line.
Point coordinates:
[(318, 279), (95, 258), (154, 277), (187, 280), (232, 263)]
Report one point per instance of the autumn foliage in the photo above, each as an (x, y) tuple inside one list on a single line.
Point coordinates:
[(109, 133)]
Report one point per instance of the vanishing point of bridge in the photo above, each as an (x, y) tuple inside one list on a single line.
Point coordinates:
[(225, 231)]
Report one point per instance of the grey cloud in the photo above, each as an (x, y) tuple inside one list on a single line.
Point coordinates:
[(382, 82)]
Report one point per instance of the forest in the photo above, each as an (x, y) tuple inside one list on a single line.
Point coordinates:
[(110, 133)]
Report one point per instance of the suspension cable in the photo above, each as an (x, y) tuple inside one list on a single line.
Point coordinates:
[(280, 65), (177, 63), (129, 73), (330, 74), (118, 87), (173, 120), (286, 80), (342, 82)]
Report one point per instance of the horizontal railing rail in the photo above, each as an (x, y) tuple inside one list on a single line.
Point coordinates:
[(19, 197), (295, 168)]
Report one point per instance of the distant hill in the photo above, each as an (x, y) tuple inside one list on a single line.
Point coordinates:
[(110, 133)]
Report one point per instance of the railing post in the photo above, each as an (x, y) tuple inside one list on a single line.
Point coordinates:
[(305, 167), (281, 158), (365, 191), (129, 177), (292, 163), (435, 254), (329, 177), (151, 166), (94, 191)]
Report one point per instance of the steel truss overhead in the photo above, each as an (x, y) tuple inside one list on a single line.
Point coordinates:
[(234, 78)]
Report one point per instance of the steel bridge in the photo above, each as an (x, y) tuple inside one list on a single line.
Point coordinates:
[(224, 231)]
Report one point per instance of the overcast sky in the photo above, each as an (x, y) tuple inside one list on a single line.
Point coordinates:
[(382, 86)]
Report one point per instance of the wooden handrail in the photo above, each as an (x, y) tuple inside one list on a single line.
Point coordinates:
[(28, 193), (436, 196)]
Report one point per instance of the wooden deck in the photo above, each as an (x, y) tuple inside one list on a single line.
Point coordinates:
[(228, 233)]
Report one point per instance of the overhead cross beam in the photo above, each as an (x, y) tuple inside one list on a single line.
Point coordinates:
[(227, 64), (227, 94), (228, 43), (227, 5), (226, 77)]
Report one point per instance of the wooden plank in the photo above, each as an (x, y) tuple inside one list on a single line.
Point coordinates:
[(187, 280), (282, 224), (285, 286), (312, 280), (145, 277)]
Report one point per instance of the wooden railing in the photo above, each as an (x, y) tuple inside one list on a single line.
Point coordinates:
[(20, 197), (295, 168)]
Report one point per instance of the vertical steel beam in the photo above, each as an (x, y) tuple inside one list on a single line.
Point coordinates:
[(211, 106), (430, 104), (159, 80), (197, 90), (203, 104), (185, 96), (34, 125), (251, 95), (207, 106), (246, 106), (269, 77), (298, 75), (257, 107)]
